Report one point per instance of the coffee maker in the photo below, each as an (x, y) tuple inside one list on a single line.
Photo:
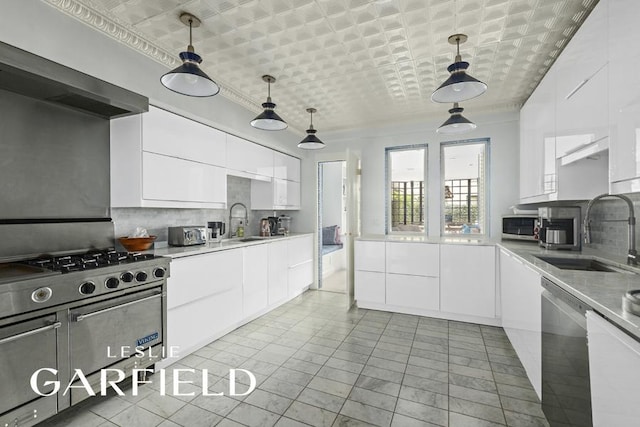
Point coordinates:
[(559, 228), (216, 230)]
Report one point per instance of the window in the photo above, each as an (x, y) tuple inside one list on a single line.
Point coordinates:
[(464, 198), (406, 190)]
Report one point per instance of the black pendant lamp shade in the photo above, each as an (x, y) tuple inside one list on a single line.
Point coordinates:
[(311, 141), (460, 86), (268, 119), (188, 79), (457, 123)]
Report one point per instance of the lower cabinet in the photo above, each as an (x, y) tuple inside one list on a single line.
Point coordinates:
[(255, 281), (521, 305), (468, 280), (370, 287), (614, 358), (209, 295), (419, 292)]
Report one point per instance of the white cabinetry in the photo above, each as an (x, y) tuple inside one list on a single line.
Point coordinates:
[(624, 96), (614, 358), (283, 192), (249, 160), (278, 271), (255, 281), (369, 266), (412, 271), (195, 297), (300, 256), (521, 314), (160, 159), (468, 280)]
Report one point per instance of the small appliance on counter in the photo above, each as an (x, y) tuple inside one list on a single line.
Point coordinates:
[(187, 235), (265, 227), (216, 230), (280, 225), (520, 227), (559, 228)]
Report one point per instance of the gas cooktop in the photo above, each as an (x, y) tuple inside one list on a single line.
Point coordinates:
[(87, 260)]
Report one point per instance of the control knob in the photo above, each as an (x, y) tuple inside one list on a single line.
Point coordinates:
[(111, 283), (127, 277), (141, 276), (159, 272), (87, 288)]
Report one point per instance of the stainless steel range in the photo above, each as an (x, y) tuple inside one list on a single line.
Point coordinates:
[(79, 311)]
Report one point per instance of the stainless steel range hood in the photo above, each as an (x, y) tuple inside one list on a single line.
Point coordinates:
[(36, 77)]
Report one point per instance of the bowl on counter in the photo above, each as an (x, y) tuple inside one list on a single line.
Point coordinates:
[(136, 244)]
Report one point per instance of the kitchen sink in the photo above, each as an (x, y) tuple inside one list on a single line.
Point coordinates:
[(583, 264), (253, 239)]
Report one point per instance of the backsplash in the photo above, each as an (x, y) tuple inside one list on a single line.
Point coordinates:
[(156, 220), (607, 235)]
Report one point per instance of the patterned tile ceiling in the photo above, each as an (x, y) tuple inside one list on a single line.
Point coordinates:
[(359, 62)]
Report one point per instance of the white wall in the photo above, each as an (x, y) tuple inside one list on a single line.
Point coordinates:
[(332, 208), (501, 129)]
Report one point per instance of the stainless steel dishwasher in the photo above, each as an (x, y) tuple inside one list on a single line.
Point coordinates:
[(566, 392)]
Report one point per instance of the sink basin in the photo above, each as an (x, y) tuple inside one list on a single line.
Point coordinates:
[(252, 239), (582, 264)]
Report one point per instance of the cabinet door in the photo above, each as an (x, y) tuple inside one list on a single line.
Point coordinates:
[(370, 287), (246, 156), (422, 259), (286, 194), (467, 280), (176, 136), (172, 179), (300, 249), (286, 167), (255, 283), (278, 271), (624, 98), (300, 277), (614, 358), (369, 256), (521, 309), (418, 292)]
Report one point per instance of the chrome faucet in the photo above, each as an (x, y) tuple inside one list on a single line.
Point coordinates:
[(246, 218), (632, 255)]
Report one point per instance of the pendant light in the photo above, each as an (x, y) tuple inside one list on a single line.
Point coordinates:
[(460, 86), (268, 119), (311, 141), (457, 123), (188, 79)]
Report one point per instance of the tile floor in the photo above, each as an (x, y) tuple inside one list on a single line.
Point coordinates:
[(318, 364), (336, 282)]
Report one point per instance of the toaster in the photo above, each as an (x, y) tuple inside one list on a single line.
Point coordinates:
[(187, 235)]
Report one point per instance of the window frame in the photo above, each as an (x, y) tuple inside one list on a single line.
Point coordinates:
[(486, 232), (387, 186)]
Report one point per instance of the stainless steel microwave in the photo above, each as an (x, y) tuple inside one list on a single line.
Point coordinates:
[(520, 227)]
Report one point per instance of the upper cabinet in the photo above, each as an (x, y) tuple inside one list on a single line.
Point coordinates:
[(249, 160), (286, 167), (160, 159), (564, 126), (624, 96), (283, 192)]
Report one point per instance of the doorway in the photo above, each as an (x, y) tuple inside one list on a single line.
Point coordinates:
[(332, 223)]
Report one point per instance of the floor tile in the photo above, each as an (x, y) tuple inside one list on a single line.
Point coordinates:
[(337, 375), (288, 422), (164, 406), (311, 415), (425, 397), (383, 374), (422, 412), (321, 399), (253, 416), (136, 416), (282, 388), (345, 365), (515, 419), (366, 413), (373, 398), (330, 386), (400, 420), (522, 406), (461, 420), (220, 405), (472, 395), (269, 401), (344, 421), (387, 364), (477, 410), (292, 376)]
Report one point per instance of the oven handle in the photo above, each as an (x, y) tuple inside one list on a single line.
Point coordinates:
[(80, 317), (55, 325)]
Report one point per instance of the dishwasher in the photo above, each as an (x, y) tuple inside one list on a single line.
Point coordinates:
[(566, 388)]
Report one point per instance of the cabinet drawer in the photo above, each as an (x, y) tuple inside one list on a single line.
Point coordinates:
[(420, 259), (300, 250), (413, 291), (369, 256), (370, 287)]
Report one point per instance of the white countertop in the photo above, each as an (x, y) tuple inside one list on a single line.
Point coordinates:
[(462, 239), (603, 291), (225, 244)]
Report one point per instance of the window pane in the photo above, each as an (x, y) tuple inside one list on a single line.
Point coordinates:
[(406, 197), (464, 171)]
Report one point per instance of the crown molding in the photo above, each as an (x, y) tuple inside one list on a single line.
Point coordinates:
[(126, 34)]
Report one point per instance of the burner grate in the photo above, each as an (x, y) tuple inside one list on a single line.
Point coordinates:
[(88, 260)]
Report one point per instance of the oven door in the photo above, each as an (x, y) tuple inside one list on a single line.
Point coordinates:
[(26, 347), (106, 332)]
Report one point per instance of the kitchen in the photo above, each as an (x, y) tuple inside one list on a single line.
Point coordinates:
[(504, 128)]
